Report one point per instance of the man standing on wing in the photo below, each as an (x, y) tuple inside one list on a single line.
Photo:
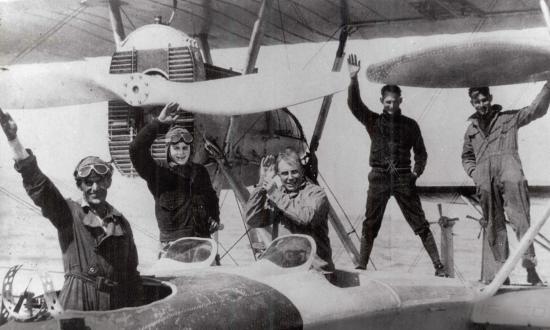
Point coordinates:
[(392, 137), (490, 157)]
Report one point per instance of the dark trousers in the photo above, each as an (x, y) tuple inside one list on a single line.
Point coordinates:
[(383, 185)]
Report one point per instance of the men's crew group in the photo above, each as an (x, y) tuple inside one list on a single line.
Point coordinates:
[(99, 254)]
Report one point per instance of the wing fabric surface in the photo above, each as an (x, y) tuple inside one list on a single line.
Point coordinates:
[(479, 62), (72, 30)]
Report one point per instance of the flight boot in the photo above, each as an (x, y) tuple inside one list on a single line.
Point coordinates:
[(440, 269), (431, 248), (364, 254), (533, 277)]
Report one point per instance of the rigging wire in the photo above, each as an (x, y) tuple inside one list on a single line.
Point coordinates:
[(244, 225), (224, 198), (248, 130), (127, 17), (227, 253), (330, 38), (61, 23), (36, 210), (235, 243), (284, 36)]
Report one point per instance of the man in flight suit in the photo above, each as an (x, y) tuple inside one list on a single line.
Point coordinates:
[(490, 157), (298, 204), (99, 254), (392, 137)]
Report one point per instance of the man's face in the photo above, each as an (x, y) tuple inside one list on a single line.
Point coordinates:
[(94, 187), (481, 102), (180, 152), (291, 175), (391, 102)]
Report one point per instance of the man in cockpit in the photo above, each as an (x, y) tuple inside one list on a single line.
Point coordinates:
[(99, 255), (393, 135), (186, 204), (285, 196), (490, 157)]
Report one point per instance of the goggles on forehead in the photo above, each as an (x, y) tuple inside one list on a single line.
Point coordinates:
[(86, 170), (179, 136)]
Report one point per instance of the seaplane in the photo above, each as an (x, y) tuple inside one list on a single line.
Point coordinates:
[(237, 117)]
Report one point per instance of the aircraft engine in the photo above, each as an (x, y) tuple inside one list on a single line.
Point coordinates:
[(158, 49)]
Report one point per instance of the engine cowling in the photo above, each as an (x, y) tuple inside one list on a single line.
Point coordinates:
[(154, 49)]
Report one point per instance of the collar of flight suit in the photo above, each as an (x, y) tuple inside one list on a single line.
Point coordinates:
[(396, 115), (474, 118), (111, 223)]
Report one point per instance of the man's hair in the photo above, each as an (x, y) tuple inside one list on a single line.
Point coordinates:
[(390, 89), (290, 156), (478, 90)]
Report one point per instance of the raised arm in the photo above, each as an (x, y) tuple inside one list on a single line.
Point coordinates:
[(537, 109), (39, 188), (356, 105), (420, 154), (140, 148), (140, 153), (257, 211)]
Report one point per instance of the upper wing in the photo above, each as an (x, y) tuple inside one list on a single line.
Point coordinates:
[(61, 30)]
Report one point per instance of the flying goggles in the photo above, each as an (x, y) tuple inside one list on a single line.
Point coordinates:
[(178, 135), (86, 170)]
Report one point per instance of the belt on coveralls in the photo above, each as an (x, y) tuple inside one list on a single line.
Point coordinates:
[(400, 170), (101, 283)]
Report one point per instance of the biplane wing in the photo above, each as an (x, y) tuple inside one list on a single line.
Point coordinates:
[(70, 29)]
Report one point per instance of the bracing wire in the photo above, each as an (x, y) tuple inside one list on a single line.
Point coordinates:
[(322, 46), (128, 18), (284, 35), (246, 229), (61, 23)]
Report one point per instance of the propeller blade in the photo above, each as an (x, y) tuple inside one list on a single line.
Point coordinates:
[(478, 62), (45, 85), (229, 96), (545, 13)]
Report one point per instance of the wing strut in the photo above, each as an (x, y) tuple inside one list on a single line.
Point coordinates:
[(514, 258), (204, 46), (256, 37), (327, 100), (334, 219), (251, 56), (259, 238), (116, 22)]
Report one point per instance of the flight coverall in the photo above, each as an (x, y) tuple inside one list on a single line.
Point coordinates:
[(392, 138), (100, 264), (303, 212), (492, 161)]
